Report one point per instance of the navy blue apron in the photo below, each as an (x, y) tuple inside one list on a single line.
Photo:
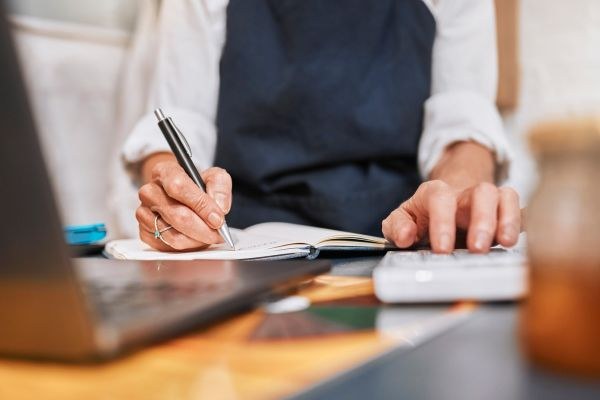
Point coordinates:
[(321, 107)]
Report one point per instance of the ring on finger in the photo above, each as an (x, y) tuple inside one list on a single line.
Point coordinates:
[(158, 232)]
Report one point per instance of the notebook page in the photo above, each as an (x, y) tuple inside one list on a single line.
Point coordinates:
[(248, 246), (295, 233)]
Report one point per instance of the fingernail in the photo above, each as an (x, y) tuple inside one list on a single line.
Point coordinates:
[(445, 242), (481, 241), (509, 232), (215, 220), (221, 200)]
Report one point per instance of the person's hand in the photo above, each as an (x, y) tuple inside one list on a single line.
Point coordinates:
[(435, 212), (193, 214)]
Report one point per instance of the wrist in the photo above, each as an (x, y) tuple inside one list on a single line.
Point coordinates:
[(465, 164)]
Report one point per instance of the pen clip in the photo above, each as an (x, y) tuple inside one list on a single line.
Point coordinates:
[(182, 138)]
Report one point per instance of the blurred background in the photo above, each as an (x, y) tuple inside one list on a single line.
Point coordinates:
[(75, 55), (87, 64), (112, 14)]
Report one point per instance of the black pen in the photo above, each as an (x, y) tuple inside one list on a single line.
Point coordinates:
[(183, 153)]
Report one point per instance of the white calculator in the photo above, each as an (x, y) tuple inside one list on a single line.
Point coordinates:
[(425, 277)]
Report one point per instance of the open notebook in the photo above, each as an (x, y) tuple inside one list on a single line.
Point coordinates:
[(267, 240)]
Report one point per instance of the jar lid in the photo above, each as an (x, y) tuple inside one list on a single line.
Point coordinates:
[(567, 135)]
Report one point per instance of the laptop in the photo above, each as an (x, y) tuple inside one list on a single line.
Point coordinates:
[(55, 307)]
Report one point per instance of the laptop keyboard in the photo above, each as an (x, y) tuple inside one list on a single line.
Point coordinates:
[(118, 301)]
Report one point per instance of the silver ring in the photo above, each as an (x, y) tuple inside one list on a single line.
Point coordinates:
[(158, 232)]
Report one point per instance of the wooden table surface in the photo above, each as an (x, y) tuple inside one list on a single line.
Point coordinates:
[(221, 362)]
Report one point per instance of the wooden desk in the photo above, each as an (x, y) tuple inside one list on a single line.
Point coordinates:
[(223, 362)]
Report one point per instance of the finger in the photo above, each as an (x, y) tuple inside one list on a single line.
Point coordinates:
[(218, 186), (484, 217), (509, 217), (187, 222), (145, 219), (171, 241), (400, 229), (442, 219), (183, 220), (151, 194), (179, 241), (151, 241), (180, 187), (176, 214), (171, 237), (147, 228)]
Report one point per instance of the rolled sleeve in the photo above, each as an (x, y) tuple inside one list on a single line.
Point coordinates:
[(462, 116), (464, 84), (184, 82)]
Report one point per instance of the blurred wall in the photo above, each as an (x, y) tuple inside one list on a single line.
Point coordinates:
[(560, 71), (116, 14), (73, 53)]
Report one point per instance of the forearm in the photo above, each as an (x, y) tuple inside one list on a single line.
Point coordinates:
[(465, 164)]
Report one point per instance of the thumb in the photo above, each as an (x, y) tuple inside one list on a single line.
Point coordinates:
[(400, 228), (219, 186)]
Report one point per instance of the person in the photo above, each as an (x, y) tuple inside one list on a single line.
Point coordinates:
[(372, 117)]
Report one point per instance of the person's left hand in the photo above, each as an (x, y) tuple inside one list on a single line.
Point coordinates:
[(487, 213)]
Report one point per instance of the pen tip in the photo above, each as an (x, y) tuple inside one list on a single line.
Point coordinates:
[(224, 230)]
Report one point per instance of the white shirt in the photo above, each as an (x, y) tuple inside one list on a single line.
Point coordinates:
[(185, 83)]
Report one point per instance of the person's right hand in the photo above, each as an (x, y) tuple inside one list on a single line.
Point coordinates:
[(193, 214)]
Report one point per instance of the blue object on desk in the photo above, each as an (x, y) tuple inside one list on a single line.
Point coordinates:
[(84, 234)]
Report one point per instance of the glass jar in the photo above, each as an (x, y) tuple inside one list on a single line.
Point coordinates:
[(560, 319)]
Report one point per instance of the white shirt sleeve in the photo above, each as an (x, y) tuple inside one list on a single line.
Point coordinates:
[(185, 84), (464, 83)]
